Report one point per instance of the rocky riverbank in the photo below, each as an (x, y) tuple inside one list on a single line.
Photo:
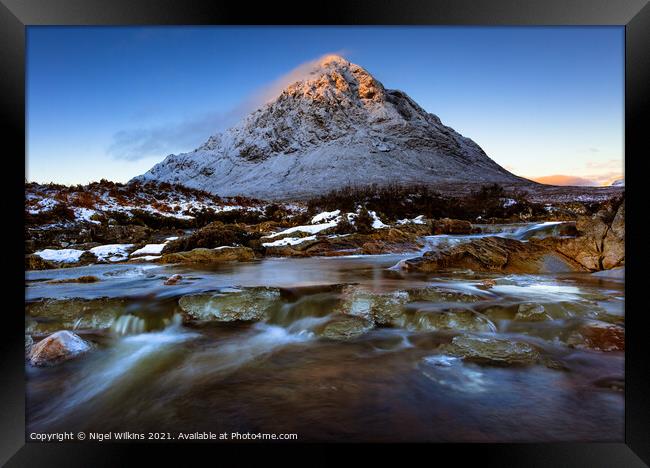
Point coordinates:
[(598, 244), (112, 223)]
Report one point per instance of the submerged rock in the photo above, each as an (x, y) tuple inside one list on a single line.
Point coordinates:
[(218, 255), (440, 294), (598, 336), (344, 327), (173, 279), (492, 351), (247, 304), (57, 347), (450, 319), (80, 279), (494, 254), (529, 312)]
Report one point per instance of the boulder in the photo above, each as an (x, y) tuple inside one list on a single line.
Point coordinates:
[(57, 347), (600, 244), (218, 255), (451, 226), (494, 254), (246, 304), (381, 308), (215, 234)]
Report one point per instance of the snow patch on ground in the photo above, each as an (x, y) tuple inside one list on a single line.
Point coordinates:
[(311, 229), (376, 223), (416, 220), (149, 249), (325, 216), (60, 255), (288, 241), (112, 252)]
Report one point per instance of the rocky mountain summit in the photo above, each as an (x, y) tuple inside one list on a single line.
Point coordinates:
[(337, 127)]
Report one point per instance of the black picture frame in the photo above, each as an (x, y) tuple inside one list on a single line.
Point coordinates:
[(634, 15)]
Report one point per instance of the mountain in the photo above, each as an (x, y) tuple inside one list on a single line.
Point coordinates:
[(338, 126)]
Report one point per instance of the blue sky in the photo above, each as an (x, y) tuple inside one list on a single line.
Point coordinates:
[(109, 102)]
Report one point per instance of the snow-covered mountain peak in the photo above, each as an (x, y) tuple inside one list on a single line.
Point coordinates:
[(335, 77), (336, 126)]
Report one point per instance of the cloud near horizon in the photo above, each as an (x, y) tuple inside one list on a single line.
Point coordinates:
[(587, 181), (161, 140)]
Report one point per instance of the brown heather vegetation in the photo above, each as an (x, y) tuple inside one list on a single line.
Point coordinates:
[(397, 202)]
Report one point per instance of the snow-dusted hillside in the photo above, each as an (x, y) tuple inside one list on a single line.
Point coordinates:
[(337, 127)]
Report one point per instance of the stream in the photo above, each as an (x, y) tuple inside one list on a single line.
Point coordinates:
[(150, 370)]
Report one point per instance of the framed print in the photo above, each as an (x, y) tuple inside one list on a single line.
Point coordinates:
[(356, 228)]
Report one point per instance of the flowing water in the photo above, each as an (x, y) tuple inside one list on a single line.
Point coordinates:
[(152, 371)]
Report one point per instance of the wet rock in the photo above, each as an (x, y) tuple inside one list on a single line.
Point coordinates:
[(57, 347), (381, 308), (246, 304), (598, 336), (48, 315), (29, 342), (451, 226), (344, 327), (449, 319), (529, 312), (218, 255), (493, 254), (173, 279), (492, 351)]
